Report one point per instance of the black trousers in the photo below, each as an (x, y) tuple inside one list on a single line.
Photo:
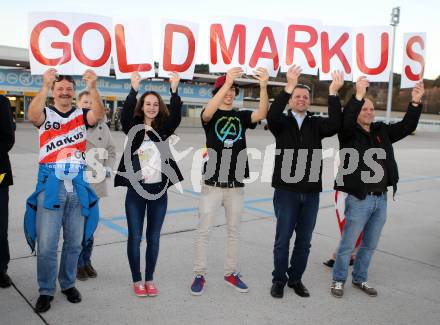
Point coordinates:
[(4, 216)]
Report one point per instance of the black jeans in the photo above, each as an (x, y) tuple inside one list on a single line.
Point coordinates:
[(294, 211), (4, 216)]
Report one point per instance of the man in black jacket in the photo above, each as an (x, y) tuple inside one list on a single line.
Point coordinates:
[(7, 139), (297, 175), (364, 174)]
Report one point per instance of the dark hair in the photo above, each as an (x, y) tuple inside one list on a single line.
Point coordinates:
[(237, 90), (61, 77), (303, 86), (83, 93), (162, 115)]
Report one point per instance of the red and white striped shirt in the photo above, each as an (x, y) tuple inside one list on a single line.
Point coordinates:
[(62, 137)]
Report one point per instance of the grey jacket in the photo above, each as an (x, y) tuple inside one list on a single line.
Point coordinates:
[(100, 137)]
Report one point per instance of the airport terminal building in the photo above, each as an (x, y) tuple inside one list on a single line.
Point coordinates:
[(17, 83)]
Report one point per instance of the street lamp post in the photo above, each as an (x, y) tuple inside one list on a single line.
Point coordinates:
[(395, 19)]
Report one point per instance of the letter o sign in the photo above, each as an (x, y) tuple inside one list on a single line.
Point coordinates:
[(77, 44)]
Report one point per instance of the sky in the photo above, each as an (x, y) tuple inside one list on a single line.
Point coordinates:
[(416, 16)]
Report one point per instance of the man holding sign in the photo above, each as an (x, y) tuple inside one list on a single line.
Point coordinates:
[(297, 175), (62, 198), (366, 204), (225, 170)]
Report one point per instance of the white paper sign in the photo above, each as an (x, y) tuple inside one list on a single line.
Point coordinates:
[(372, 53), (71, 43), (264, 46), (227, 44), (414, 49), (302, 45), (132, 48), (336, 53), (178, 48)]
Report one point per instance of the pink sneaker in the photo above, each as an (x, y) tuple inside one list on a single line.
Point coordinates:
[(139, 289), (151, 290)]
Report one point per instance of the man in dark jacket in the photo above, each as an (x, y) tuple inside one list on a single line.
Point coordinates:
[(297, 175), (7, 139), (364, 174)]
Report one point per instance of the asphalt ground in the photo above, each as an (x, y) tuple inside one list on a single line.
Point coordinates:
[(405, 269)]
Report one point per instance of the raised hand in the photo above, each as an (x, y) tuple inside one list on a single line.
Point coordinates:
[(49, 78), (174, 81), (135, 80), (337, 82), (361, 87), (90, 78), (417, 92), (233, 74), (262, 75), (292, 76)]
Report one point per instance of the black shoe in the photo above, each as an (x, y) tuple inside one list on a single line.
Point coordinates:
[(329, 263), (299, 289), (72, 295), (5, 280), (43, 304), (91, 272), (277, 290)]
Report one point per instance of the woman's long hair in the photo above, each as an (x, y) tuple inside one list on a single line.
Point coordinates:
[(162, 115)]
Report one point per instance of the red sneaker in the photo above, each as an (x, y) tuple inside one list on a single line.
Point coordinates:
[(139, 289), (151, 289)]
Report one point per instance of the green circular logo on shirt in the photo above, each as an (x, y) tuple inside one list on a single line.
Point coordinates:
[(228, 128)]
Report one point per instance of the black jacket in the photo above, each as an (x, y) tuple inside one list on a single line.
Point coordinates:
[(290, 140), (170, 170), (381, 135), (7, 139)]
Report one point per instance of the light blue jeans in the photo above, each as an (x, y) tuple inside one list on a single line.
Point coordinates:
[(368, 215), (49, 223)]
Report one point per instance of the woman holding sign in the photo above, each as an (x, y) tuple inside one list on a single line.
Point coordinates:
[(147, 169)]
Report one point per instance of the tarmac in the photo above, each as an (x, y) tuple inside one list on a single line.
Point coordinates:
[(405, 268)]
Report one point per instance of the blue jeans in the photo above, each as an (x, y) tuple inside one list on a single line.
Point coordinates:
[(86, 254), (49, 223), (294, 211), (135, 206), (370, 215)]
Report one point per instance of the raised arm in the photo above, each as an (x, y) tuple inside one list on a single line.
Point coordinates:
[(353, 108), (127, 112), (97, 110), (275, 113), (398, 131), (331, 125), (217, 100), (175, 117), (262, 75), (36, 107)]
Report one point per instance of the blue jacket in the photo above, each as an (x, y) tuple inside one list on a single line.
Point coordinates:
[(49, 180)]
